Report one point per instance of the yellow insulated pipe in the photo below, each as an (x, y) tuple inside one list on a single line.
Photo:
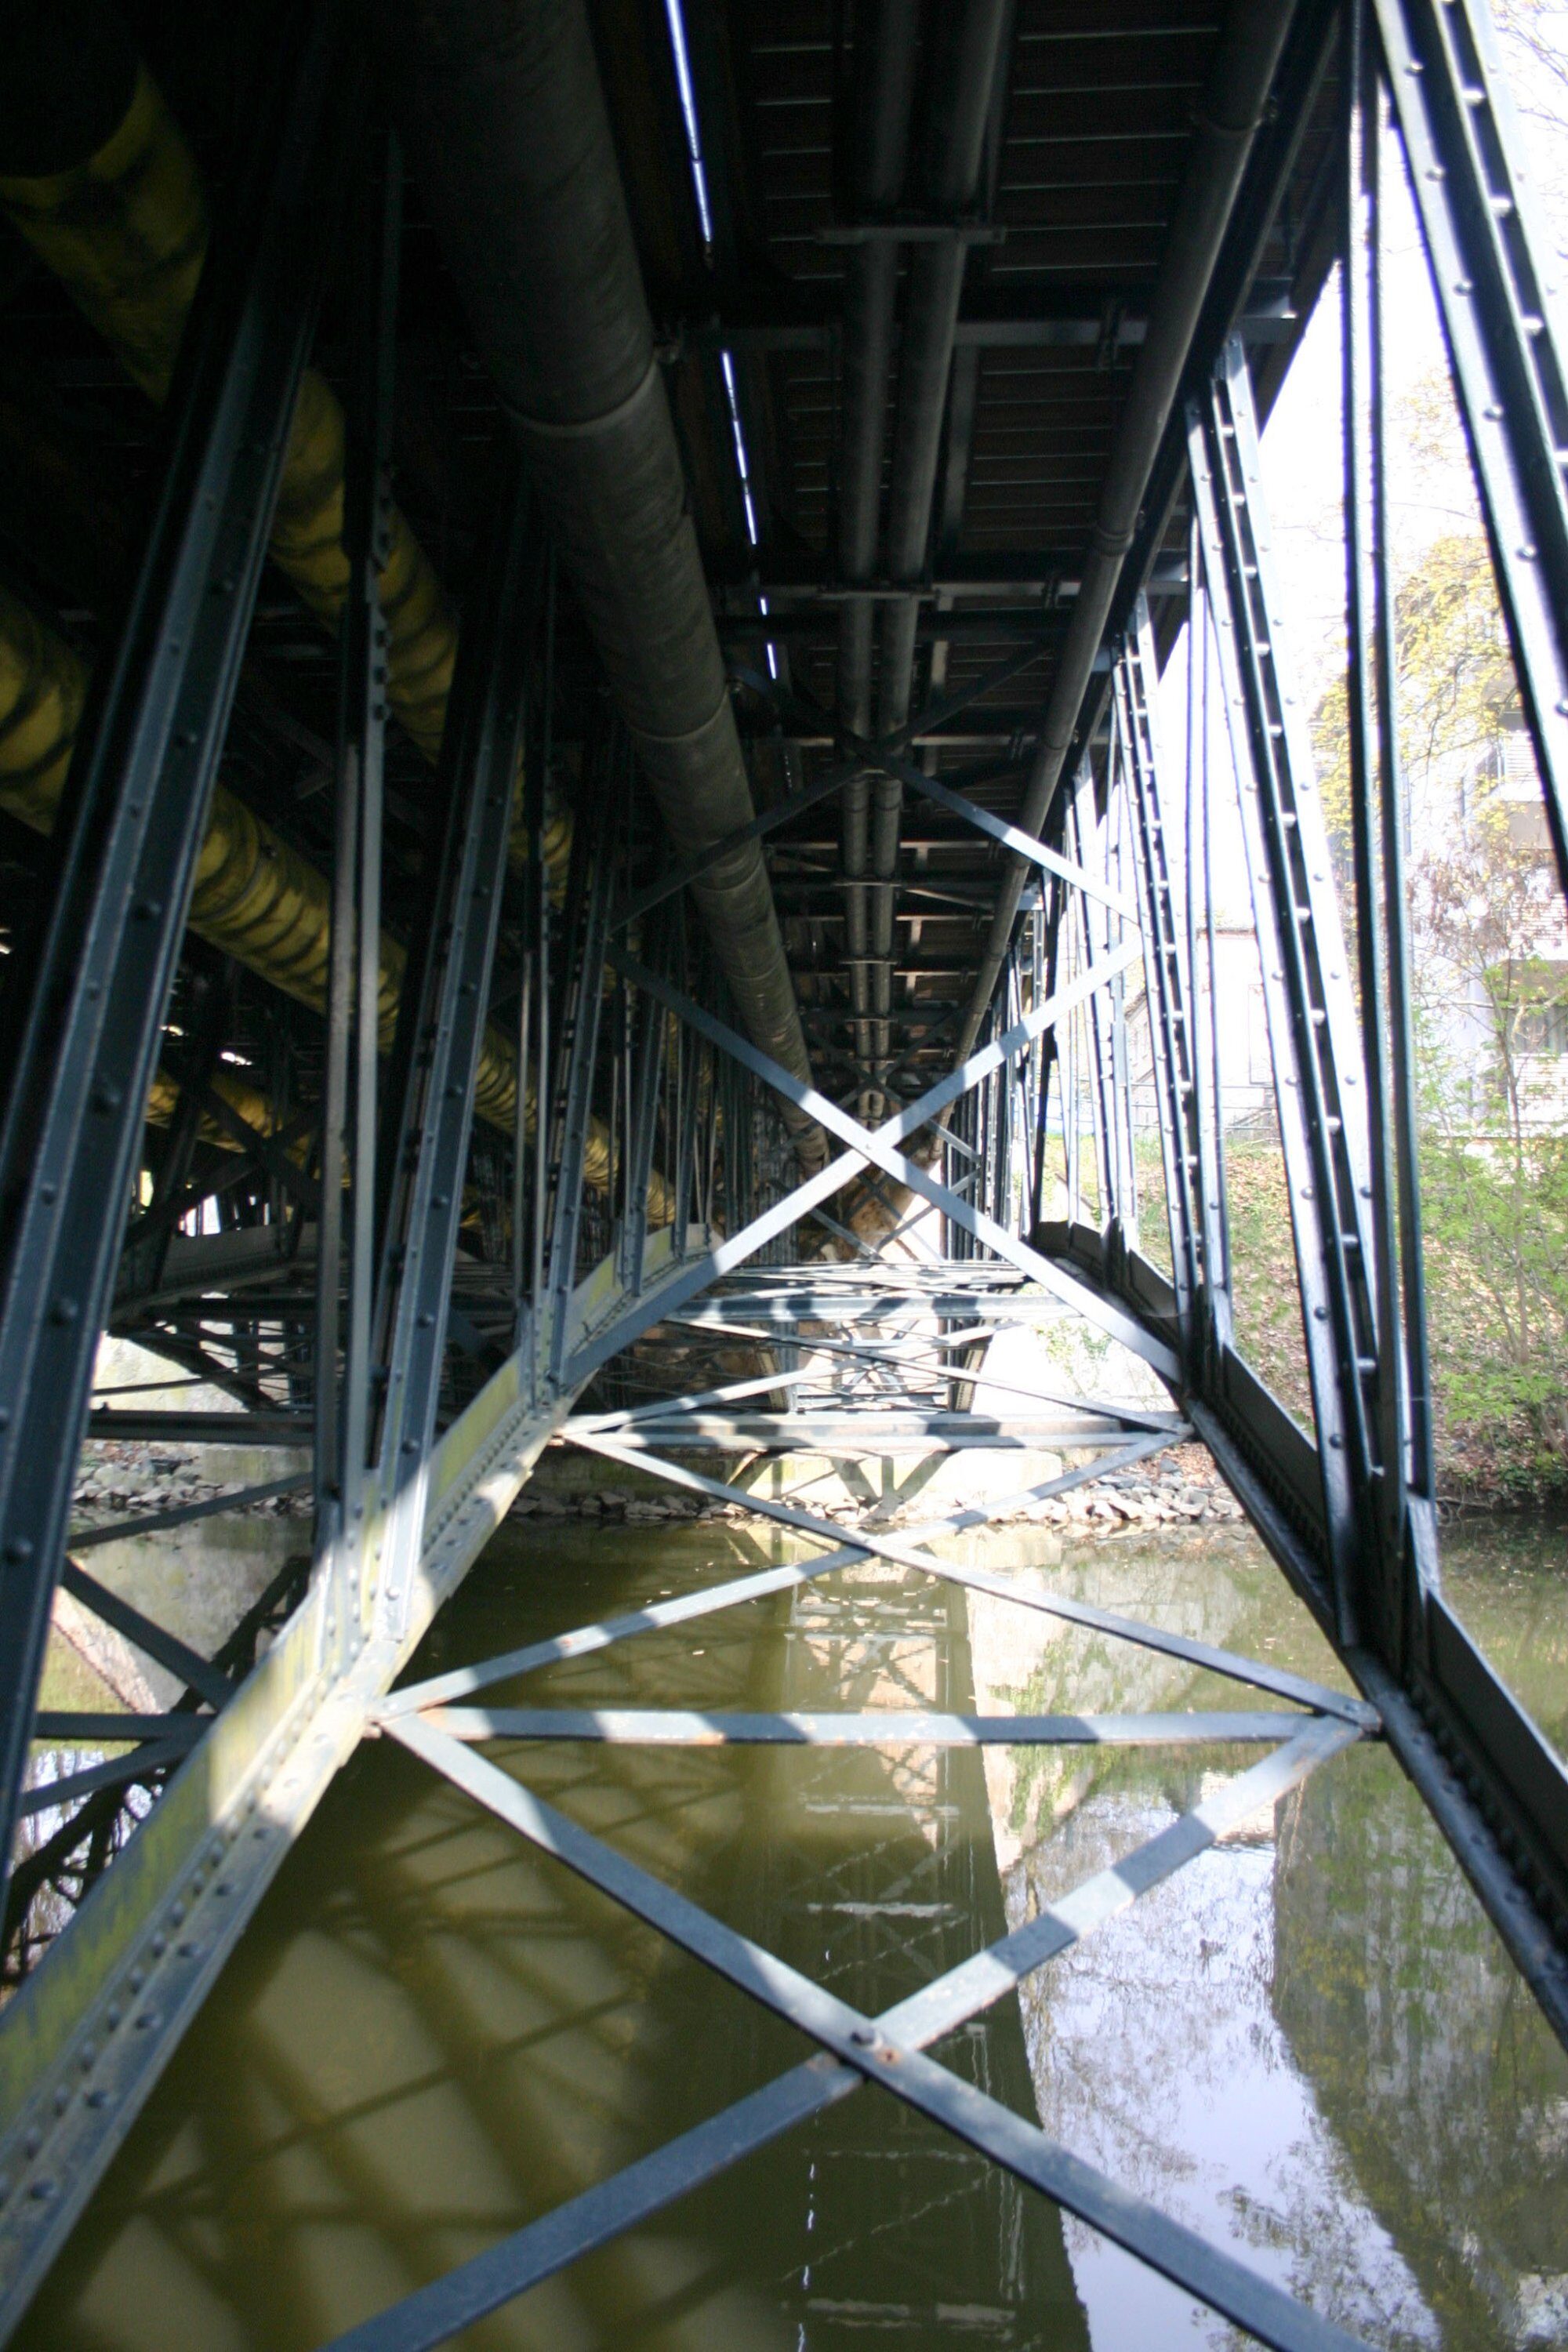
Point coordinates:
[(255, 897), (126, 234), (256, 1108)]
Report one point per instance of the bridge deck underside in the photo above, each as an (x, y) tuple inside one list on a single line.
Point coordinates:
[(585, 852)]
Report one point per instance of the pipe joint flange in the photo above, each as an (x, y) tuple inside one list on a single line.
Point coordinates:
[(640, 734), (624, 410), (1238, 133), (1113, 544)]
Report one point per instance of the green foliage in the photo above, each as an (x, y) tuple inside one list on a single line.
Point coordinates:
[(1497, 1270), (1496, 1217), (1483, 905), (1494, 1180), (1267, 1300), (1456, 690), (1331, 759)]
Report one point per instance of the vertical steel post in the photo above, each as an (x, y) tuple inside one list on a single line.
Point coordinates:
[(649, 1081), (86, 1023), (684, 1107), (145, 1258), (537, 784), (1115, 1073), (1167, 988), (580, 1044), (1487, 252), (353, 1005), (1080, 819), (479, 764), (1319, 1085), (1405, 1498), (1216, 1327), (1049, 941)]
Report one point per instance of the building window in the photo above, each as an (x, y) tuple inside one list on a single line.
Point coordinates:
[(1542, 1029)]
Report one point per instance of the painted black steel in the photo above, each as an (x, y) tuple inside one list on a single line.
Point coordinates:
[(85, 1039), (897, 2064), (157, 1523), (71, 1728), (464, 1680), (141, 1766), (887, 1156), (436, 2313), (1491, 273), (165, 1649), (1214, 1322), (907, 1552), (1233, 110), (1405, 1500), (345, 1245), (886, 1728), (479, 765), (509, 135), (580, 1036), (1320, 1095), (686, 1106), (1167, 988)]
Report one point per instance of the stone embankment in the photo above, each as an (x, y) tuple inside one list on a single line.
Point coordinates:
[(1181, 1489), (119, 1478)]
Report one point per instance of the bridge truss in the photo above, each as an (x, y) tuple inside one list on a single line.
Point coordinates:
[(547, 1114)]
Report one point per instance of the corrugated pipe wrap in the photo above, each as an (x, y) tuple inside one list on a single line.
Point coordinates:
[(125, 227), (501, 111), (1235, 99), (308, 544), (102, 186), (43, 686), (257, 1109), (255, 896)]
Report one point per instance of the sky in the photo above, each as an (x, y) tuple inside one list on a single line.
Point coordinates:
[(1428, 494), (1431, 493)]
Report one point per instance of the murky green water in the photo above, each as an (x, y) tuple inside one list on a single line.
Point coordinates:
[(1309, 2045)]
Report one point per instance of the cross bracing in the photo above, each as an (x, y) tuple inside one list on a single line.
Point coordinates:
[(478, 958)]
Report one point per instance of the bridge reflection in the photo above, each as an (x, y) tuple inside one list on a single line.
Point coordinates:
[(1311, 2043), (434, 2035)]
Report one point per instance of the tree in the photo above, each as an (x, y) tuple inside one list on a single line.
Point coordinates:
[(1494, 1172), (1490, 958)]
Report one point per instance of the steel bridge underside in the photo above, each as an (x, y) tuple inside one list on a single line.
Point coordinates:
[(582, 605)]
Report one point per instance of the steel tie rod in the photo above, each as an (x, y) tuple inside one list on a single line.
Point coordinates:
[(887, 2050), (906, 1554), (463, 1680)]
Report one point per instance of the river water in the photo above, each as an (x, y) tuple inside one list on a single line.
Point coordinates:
[(1309, 2045)]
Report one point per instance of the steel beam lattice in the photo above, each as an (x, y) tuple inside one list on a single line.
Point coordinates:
[(507, 1133)]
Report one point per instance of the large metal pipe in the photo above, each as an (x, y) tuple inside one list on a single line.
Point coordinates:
[(1245, 60), (885, 97), (503, 116), (961, 92), (256, 897), (97, 179)]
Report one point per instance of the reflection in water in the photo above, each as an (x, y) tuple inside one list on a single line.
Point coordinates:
[(1454, 2110), (1507, 1580), (1309, 2045), (430, 2034), (872, 1875)]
